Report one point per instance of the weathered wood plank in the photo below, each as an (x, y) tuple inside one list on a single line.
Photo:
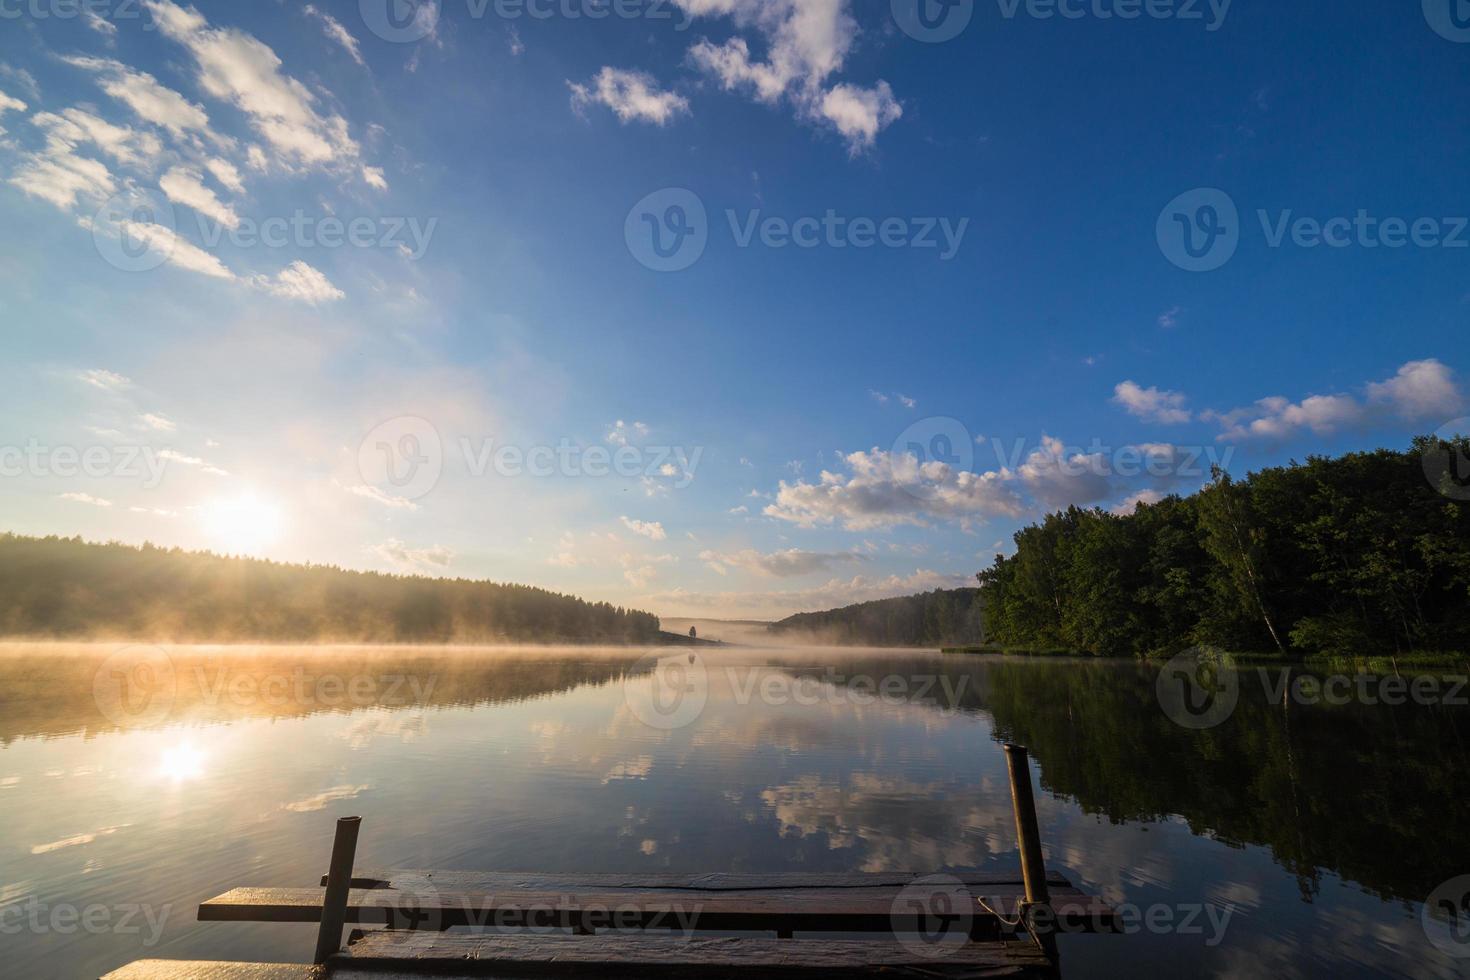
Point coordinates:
[(493, 881), (802, 910), (648, 956), (215, 970)]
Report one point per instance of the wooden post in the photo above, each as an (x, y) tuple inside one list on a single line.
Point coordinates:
[(339, 881), (1033, 868)]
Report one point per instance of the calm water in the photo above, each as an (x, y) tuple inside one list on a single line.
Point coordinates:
[(135, 784)]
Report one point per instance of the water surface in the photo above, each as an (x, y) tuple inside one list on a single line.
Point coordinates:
[(135, 783)]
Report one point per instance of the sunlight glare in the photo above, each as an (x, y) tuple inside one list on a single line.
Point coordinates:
[(245, 524), (181, 762)]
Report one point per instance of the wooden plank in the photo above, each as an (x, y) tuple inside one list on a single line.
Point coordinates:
[(215, 970), (803, 910), (493, 881), (621, 957)]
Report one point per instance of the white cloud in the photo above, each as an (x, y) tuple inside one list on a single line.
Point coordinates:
[(334, 30), (174, 248), (148, 99), (9, 104), (404, 558), (790, 563), (59, 176), (620, 432), (1058, 477), (908, 402), (374, 178), (641, 576), (1170, 317), (378, 496), (74, 127), (106, 380), (100, 24), (226, 173), (237, 68), (23, 78), (1420, 390), (300, 282), (807, 41), (860, 114), (86, 498), (174, 456), (158, 423), (885, 490), (1151, 404), (186, 187), (652, 530), (1130, 503), (633, 95)]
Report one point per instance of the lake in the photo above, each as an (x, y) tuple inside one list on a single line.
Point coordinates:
[(1287, 838)]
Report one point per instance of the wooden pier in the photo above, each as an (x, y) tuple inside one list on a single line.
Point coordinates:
[(622, 927)]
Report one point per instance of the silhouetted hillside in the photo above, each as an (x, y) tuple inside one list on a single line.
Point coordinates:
[(69, 588)]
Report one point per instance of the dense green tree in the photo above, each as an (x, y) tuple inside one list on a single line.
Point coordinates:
[(1359, 554)]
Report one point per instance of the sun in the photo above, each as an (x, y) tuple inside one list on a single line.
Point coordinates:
[(245, 524)]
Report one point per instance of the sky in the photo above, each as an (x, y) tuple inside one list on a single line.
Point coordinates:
[(719, 308)]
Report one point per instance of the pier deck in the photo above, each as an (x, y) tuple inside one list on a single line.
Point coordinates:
[(631, 926)]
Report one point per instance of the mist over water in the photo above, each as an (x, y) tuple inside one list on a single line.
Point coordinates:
[(142, 781)]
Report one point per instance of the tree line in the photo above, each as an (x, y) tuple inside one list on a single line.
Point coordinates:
[(1356, 555), (943, 617), (69, 588)]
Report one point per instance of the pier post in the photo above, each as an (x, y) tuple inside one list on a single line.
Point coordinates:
[(1028, 835), (1033, 869), (339, 882)]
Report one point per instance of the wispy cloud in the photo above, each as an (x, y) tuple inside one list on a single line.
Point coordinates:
[(634, 96), (86, 498), (652, 530), (334, 30)]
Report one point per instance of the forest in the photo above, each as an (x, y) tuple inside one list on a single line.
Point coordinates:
[(943, 617), (1359, 555), (68, 588)]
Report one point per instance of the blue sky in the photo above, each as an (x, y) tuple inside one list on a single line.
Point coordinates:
[(989, 310)]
